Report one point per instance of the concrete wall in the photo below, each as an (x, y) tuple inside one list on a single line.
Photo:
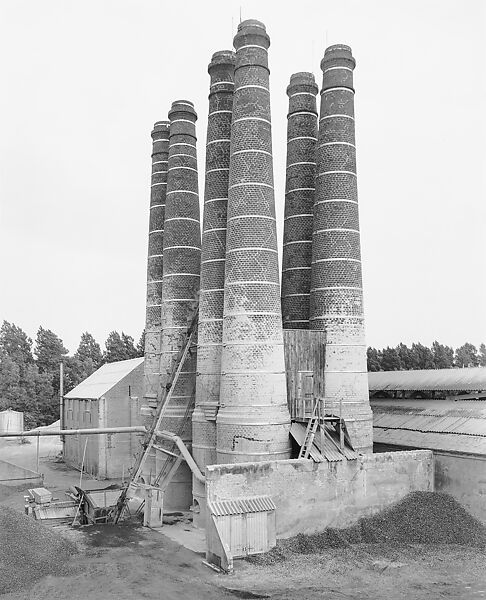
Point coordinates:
[(461, 475), (464, 477), (312, 496)]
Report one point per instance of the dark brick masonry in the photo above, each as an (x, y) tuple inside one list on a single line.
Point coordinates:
[(153, 325), (213, 255), (180, 289), (253, 421), (336, 289), (299, 200)]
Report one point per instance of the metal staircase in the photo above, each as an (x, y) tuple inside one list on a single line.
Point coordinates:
[(310, 431)]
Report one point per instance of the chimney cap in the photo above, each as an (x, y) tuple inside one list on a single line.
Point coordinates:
[(185, 106), (251, 23), (160, 128), (248, 29), (338, 52), (222, 57), (302, 79), (161, 125)]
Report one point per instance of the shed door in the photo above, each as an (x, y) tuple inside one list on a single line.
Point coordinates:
[(256, 532), (237, 534)]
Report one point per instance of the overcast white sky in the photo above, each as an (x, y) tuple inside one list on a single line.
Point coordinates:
[(83, 83)]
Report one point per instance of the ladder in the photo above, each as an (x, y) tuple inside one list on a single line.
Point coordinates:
[(310, 431), (150, 441)]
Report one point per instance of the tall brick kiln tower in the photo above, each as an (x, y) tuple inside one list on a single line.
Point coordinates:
[(213, 255), (253, 421), (180, 287), (299, 200), (153, 325), (336, 291)]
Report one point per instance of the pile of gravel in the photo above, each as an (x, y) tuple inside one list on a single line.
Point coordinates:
[(419, 518), (29, 550)]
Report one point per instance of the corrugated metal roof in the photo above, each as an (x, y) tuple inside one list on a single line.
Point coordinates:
[(468, 379), (431, 441), (238, 506), (102, 380), (433, 424)]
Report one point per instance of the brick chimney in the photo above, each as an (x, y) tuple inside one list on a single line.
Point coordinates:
[(180, 282), (153, 325), (213, 256), (253, 420), (336, 289), (299, 200)]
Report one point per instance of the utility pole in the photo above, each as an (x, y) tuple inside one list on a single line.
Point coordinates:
[(61, 402)]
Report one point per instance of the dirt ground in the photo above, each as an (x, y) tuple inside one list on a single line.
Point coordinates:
[(126, 562)]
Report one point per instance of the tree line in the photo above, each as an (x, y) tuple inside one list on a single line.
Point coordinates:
[(29, 371), (418, 356)]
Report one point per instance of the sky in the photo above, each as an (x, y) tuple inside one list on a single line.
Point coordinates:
[(83, 83)]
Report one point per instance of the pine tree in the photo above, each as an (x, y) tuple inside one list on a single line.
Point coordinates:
[(405, 356), (16, 344), (390, 361), (373, 359), (129, 344), (49, 351), (89, 351), (443, 356), (141, 345), (466, 356), (422, 357), (482, 355)]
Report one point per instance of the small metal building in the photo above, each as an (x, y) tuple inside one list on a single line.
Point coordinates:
[(110, 397), (11, 421)]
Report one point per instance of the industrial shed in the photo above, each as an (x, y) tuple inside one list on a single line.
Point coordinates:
[(436, 381), (110, 397), (454, 429)]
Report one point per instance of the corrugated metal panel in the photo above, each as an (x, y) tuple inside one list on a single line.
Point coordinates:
[(252, 504), (331, 450), (432, 441), (297, 431), (323, 448), (473, 378), (102, 380)]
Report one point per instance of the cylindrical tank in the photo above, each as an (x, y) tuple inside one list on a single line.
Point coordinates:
[(213, 255), (253, 421), (336, 289), (299, 200), (11, 421)]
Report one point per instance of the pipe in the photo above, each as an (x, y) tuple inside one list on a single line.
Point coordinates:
[(171, 437), (100, 431)]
